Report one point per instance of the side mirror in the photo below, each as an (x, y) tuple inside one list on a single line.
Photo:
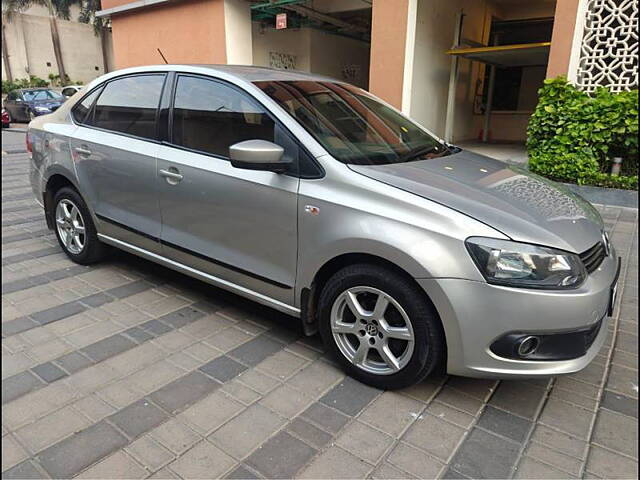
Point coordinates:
[(258, 155)]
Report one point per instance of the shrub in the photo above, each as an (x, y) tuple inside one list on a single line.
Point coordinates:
[(32, 81), (573, 136)]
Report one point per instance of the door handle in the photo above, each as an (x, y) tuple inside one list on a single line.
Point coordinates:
[(172, 176), (82, 151)]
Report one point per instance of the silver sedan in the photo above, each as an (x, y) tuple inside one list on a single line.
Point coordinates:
[(309, 195)]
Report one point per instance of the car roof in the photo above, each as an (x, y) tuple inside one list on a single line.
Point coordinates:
[(247, 73)]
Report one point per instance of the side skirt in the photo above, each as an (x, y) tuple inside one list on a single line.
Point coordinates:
[(208, 278)]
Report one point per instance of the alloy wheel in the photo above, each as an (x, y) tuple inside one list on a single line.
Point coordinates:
[(70, 226), (372, 330)]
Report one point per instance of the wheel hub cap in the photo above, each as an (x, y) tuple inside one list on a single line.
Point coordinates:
[(70, 226), (372, 330)]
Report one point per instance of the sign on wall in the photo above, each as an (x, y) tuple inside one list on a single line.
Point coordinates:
[(281, 21), (282, 61)]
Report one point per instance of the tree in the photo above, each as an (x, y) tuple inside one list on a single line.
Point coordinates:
[(57, 9), (88, 9)]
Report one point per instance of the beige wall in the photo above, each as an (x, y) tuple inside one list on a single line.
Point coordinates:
[(295, 42), (435, 26), (314, 51), (340, 57), (436, 22), (30, 49)]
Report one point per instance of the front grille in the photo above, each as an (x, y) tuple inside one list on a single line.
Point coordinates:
[(593, 257)]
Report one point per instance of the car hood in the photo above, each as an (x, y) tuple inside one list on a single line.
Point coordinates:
[(523, 206), (46, 103)]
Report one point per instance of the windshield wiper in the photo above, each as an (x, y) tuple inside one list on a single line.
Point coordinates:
[(421, 151)]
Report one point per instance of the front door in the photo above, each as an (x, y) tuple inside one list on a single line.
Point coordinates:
[(238, 225), (114, 149)]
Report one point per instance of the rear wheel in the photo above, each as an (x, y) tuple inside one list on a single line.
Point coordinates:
[(380, 326), (74, 228)]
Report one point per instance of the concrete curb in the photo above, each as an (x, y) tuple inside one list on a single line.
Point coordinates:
[(606, 196)]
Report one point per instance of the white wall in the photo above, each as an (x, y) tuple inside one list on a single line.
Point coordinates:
[(237, 29)]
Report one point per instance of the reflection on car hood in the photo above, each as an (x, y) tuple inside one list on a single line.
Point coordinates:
[(524, 206), (46, 103)]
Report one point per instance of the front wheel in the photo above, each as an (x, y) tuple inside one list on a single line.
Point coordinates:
[(74, 228), (380, 326)]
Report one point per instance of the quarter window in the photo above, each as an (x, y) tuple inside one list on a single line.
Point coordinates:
[(81, 109), (210, 117), (129, 105)]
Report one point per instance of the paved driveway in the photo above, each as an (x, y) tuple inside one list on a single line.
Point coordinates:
[(129, 370)]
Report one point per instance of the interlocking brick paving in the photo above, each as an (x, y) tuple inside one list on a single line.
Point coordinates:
[(127, 370)]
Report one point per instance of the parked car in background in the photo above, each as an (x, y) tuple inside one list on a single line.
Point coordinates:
[(71, 90), (6, 119), (312, 196), (28, 103)]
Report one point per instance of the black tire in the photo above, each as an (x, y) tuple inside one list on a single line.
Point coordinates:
[(429, 341), (94, 250)]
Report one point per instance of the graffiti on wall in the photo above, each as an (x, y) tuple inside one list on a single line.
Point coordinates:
[(282, 61)]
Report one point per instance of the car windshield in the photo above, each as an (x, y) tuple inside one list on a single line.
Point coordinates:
[(31, 95), (354, 126)]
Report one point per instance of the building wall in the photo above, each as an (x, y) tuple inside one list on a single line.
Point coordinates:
[(388, 48), (190, 31), (436, 23), (30, 48), (314, 51), (340, 57), (562, 37), (435, 27), (237, 27), (290, 42)]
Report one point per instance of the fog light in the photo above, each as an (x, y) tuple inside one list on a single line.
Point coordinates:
[(528, 346)]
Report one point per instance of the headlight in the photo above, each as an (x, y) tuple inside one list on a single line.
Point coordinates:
[(523, 265), (42, 109)]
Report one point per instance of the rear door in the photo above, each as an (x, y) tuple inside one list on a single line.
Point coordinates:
[(17, 110), (114, 150), (239, 225)]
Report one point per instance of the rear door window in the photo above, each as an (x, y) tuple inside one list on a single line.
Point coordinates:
[(209, 117), (129, 105)]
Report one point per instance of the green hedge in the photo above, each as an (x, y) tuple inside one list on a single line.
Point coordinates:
[(573, 136), (30, 82), (33, 81)]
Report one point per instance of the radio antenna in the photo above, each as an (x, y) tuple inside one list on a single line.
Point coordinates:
[(160, 52)]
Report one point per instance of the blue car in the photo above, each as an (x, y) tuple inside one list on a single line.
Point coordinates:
[(28, 103)]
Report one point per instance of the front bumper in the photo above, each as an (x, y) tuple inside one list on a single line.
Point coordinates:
[(475, 314)]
